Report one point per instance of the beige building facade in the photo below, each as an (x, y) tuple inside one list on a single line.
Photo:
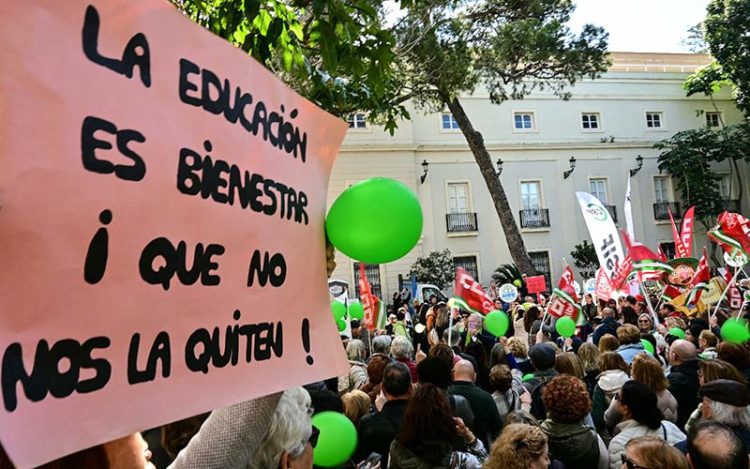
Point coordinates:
[(607, 128)]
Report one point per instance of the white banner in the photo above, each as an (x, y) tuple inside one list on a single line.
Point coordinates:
[(603, 232), (629, 213)]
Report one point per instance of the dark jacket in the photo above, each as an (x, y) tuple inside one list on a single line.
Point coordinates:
[(487, 424), (534, 387), (525, 367), (683, 384), (608, 326), (574, 444), (377, 431)]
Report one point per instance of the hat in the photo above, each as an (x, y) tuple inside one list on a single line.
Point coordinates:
[(354, 323), (391, 316), (542, 356), (691, 261), (726, 391)]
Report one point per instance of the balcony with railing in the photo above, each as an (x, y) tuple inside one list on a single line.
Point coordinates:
[(730, 205), (661, 210), (461, 222), (612, 212), (534, 218)]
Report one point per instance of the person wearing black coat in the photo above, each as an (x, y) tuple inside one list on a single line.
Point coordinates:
[(683, 379), (377, 431), (608, 325)]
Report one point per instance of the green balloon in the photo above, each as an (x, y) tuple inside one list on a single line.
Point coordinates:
[(517, 283), (375, 221), (338, 310), (337, 440), (648, 346), (341, 324), (356, 311), (735, 330), (496, 323), (565, 326), (527, 377), (677, 332)]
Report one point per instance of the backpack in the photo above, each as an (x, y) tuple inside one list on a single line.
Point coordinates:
[(537, 405)]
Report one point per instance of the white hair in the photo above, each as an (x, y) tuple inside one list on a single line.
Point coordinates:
[(355, 350), (289, 431), (381, 344), (730, 415), (401, 347)]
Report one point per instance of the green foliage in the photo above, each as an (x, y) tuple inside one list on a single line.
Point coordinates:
[(694, 41), (506, 273), (706, 80), (337, 53), (437, 268), (727, 32), (585, 259)]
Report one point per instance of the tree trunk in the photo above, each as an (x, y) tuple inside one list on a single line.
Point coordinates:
[(497, 192)]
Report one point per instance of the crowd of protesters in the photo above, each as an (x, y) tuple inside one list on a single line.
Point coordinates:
[(434, 389)]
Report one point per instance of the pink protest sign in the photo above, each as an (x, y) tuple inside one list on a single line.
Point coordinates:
[(536, 284), (161, 230)]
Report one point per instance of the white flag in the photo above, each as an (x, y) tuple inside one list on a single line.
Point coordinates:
[(629, 213), (603, 232)]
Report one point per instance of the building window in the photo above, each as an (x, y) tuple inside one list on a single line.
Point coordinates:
[(725, 186), (713, 120), (469, 264), (523, 121), (372, 272), (662, 189), (531, 195), (540, 261), (598, 188), (458, 197), (590, 121), (654, 120), (448, 122), (357, 120), (668, 249)]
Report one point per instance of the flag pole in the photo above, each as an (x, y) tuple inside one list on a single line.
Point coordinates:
[(648, 301), (737, 271)]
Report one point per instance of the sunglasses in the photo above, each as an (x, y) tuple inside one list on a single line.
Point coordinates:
[(314, 436), (630, 464)]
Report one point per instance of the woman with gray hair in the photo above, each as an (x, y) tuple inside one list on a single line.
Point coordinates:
[(381, 344), (401, 351), (357, 376)]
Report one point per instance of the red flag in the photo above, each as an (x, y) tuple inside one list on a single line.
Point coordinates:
[(369, 301), (700, 280), (470, 295), (603, 286), (732, 232), (686, 232), (670, 293), (660, 253), (564, 301), (645, 261), (680, 250)]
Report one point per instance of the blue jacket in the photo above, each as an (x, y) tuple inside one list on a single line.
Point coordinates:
[(629, 351)]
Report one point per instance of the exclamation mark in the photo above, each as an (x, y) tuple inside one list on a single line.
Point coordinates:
[(306, 339)]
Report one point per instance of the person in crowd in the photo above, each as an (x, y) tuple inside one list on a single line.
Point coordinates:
[(570, 441), (401, 351), (712, 445), (375, 368), (520, 416), (382, 344), (613, 374), (475, 333), (437, 370), (694, 329), (652, 453), (608, 325), (608, 343), (361, 333), (356, 405), (477, 351), (710, 370), (377, 431), (399, 328), (629, 337), (506, 387), (589, 307), (707, 342), (519, 327), (487, 421), (429, 433), (129, 452), (532, 317), (520, 351), (683, 378), (542, 357), (726, 402), (568, 363), (326, 400), (520, 446), (737, 355), (176, 435), (641, 416), (645, 323), (389, 328), (648, 371), (629, 315), (589, 356), (357, 376)]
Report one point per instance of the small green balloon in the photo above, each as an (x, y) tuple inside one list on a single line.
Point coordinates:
[(517, 283), (338, 310), (496, 323), (527, 377), (565, 326), (375, 221), (648, 346), (356, 311), (337, 440), (735, 330), (677, 332), (341, 324)]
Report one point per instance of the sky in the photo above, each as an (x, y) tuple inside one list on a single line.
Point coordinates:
[(641, 25)]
